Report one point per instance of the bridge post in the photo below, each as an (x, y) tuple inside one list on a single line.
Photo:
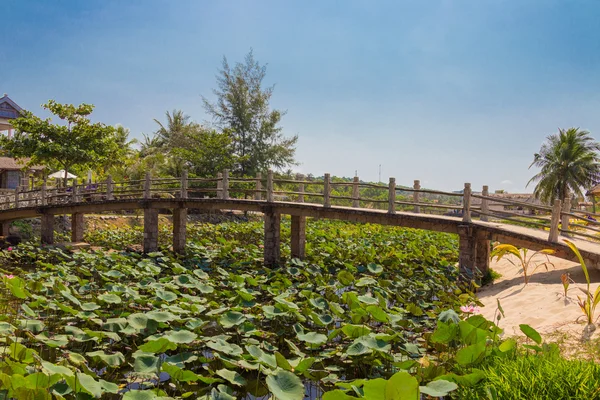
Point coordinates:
[(43, 193), (355, 192), (47, 229), (183, 194), (564, 220), (392, 196), (17, 190), (109, 188), (484, 204), (300, 177), (258, 193), (74, 193), (467, 203), (150, 229), (298, 239), (77, 227), (482, 252), (225, 184), (416, 186), (5, 229), (147, 184), (272, 240), (179, 229), (467, 252), (220, 185), (270, 197), (553, 235), (326, 190)]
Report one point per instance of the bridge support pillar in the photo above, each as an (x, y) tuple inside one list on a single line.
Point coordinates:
[(179, 229), (150, 230), (47, 229), (483, 251), (298, 241), (77, 227), (5, 229), (272, 251), (467, 252)]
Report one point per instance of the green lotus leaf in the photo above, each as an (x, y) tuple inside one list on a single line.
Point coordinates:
[(90, 385), (140, 395), (438, 388), (89, 306), (138, 320), (285, 385), (166, 295), (110, 298), (231, 319), (402, 386), (112, 360), (367, 299), (146, 364), (375, 268), (56, 369), (161, 316), (159, 345), (181, 337), (225, 347), (313, 338), (233, 377)]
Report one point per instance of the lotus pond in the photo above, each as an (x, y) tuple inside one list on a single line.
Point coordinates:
[(355, 319)]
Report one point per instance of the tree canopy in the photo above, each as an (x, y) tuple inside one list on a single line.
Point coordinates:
[(568, 163), (242, 110), (75, 142)]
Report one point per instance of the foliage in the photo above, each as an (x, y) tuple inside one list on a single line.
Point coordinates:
[(569, 162), (217, 323), (76, 143), (182, 144), (588, 306), (538, 376), (527, 264), (242, 110)]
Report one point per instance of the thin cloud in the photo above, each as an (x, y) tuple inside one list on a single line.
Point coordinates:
[(506, 182)]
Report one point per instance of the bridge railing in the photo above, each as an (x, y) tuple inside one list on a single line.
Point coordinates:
[(559, 219)]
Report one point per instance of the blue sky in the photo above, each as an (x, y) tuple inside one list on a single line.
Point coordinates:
[(442, 91)]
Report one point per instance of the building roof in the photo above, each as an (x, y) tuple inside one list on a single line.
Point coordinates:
[(8, 108), (12, 164), (595, 190)]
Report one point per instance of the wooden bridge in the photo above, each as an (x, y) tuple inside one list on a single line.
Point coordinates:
[(520, 223)]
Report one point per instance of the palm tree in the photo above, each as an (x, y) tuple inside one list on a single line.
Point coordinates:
[(569, 162), (174, 134)]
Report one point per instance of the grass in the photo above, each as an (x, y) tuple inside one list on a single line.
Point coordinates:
[(541, 376)]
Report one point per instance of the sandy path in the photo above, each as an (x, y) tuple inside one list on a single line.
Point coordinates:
[(540, 304)]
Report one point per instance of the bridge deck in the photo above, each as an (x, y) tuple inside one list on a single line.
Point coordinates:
[(534, 239)]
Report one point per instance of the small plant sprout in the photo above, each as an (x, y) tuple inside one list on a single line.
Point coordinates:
[(525, 260), (588, 306), (566, 281)]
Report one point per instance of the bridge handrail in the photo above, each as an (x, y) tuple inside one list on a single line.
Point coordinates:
[(294, 190)]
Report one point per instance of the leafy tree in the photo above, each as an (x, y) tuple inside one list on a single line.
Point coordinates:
[(77, 142), (569, 162), (207, 153), (242, 110)]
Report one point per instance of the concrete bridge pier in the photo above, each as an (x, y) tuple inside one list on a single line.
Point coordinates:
[(474, 252), (179, 229), (5, 229), (150, 230), (272, 242), (77, 227), (298, 239), (47, 228)]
